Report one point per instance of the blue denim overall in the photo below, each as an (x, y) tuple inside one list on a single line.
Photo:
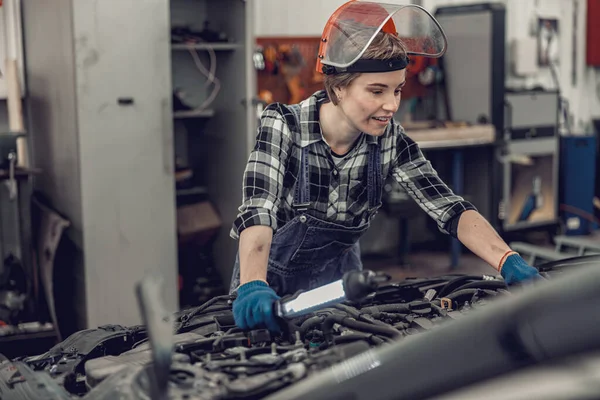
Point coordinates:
[(308, 252)]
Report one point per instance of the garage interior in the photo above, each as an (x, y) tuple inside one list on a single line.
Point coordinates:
[(126, 127)]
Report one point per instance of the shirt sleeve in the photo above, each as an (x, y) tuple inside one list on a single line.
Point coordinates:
[(264, 173), (418, 177)]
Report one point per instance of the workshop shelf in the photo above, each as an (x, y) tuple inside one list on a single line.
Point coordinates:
[(206, 46), (20, 173), (13, 134), (213, 121), (192, 191), (193, 114)]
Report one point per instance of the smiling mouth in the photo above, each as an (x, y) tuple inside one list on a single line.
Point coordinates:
[(382, 119)]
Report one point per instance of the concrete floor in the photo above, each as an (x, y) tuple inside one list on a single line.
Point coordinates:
[(428, 265)]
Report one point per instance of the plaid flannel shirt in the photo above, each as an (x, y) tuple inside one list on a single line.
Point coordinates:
[(338, 192)]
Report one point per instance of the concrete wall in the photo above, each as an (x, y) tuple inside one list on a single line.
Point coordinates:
[(292, 18)]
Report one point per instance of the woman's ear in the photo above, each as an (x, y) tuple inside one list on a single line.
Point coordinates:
[(338, 93)]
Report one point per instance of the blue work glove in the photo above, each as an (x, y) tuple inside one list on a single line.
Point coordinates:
[(253, 307), (515, 270)]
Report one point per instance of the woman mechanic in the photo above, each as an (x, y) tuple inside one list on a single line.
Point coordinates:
[(314, 179)]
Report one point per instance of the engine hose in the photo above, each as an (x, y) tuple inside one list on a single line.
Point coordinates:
[(227, 334), (309, 324), (182, 327), (254, 351), (353, 312), (292, 327), (456, 282), (461, 293), (390, 316), (439, 310), (356, 325), (497, 284), (402, 325), (371, 319), (358, 315), (286, 348), (392, 308), (207, 304), (353, 337), (361, 316)]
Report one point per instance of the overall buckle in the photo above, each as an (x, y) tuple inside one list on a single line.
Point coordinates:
[(301, 207)]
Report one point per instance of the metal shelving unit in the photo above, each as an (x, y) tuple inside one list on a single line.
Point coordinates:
[(194, 114), (213, 139), (207, 46)]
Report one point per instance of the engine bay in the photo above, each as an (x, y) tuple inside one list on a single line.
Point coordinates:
[(213, 359)]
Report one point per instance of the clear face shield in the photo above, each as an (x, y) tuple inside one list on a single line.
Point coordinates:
[(352, 28)]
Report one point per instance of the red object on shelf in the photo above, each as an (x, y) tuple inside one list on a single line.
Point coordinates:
[(593, 33)]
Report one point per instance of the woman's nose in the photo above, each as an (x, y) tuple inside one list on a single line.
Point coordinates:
[(392, 102)]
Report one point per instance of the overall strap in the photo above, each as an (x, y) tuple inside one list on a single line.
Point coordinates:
[(374, 179), (302, 192)]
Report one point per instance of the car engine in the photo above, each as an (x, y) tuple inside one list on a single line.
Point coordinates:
[(212, 358)]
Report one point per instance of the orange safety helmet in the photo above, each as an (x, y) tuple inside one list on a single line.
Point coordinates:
[(354, 25)]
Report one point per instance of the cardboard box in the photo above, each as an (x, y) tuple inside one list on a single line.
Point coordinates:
[(198, 222)]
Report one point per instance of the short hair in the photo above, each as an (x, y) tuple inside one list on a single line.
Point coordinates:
[(384, 46)]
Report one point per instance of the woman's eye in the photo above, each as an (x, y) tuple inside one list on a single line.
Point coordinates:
[(397, 92), (377, 92)]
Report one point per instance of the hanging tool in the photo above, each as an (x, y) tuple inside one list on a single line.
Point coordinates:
[(291, 63), (354, 286), (12, 181)]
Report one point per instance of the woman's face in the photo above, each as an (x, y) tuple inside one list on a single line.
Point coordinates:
[(371, 100)]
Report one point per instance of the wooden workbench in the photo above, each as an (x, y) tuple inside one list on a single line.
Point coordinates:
[(448, 137), (453, 138)]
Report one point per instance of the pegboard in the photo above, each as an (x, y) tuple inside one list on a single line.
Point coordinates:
[(289, 75)]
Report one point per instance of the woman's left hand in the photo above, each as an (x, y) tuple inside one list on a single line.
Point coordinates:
[(516, 270)]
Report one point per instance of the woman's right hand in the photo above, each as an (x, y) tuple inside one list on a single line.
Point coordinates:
[(253, 307)]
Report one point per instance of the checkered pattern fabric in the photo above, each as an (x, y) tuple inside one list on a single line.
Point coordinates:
[(338, 192)]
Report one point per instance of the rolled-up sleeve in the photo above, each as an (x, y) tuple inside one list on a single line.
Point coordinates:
[(264, 174), (418, 177)]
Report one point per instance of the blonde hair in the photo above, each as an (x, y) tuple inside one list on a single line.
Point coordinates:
[(384, 46)]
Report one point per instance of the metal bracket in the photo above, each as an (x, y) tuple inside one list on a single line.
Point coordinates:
[(159, 325), (446, 303)]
